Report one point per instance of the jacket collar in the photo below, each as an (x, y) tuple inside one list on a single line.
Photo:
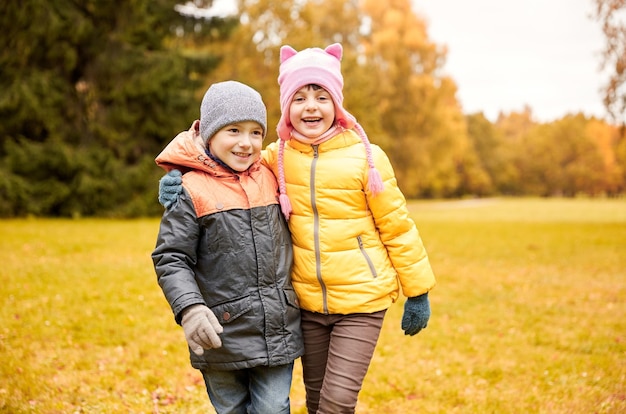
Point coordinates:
[(345, 138)]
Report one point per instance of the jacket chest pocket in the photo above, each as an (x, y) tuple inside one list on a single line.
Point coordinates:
[(226, 232)]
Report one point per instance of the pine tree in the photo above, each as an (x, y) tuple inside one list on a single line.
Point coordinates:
[(100, 82)]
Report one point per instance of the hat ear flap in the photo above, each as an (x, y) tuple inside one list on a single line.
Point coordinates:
[(335, 50), (286, 52)]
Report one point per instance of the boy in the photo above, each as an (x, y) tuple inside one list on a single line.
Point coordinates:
[(223, 256)]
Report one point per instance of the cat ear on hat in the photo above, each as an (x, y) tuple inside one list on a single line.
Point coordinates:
[(286, 52), (335, 50)]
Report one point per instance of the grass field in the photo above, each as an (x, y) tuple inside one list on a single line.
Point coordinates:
[(529, 316)]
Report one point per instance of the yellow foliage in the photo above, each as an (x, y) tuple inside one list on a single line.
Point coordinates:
[(415, 37), (605, 137), (393, 19)]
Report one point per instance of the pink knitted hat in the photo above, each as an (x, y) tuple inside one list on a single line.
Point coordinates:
[(311, 66), (319, 67)]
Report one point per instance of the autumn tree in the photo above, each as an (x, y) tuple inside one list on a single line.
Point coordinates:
[(612, 16), (416, 104), (608, 142), (562, 159), (494, 154)]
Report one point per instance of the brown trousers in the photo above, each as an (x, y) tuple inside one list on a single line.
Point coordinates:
[(337, 354)]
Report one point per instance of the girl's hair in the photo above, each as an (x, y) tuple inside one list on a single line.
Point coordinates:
[(313, 86)]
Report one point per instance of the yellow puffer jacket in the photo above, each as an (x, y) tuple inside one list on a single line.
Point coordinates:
[(352, 251)]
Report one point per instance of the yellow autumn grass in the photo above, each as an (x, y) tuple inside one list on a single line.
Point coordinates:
[(529, 316)]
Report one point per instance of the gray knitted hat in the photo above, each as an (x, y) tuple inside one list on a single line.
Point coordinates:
[(229, 102)]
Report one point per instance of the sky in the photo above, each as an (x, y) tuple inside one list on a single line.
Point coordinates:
[(508, 54), (505, 54)]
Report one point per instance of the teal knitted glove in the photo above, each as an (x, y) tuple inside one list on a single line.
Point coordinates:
[(170, 187), (416, 314)]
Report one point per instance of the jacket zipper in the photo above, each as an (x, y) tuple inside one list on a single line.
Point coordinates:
[(316, 233), (367, 257)]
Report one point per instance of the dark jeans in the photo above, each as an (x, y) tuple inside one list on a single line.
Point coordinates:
[(337, 354)]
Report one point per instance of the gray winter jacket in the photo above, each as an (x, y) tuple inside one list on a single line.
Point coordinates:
[(226, 244)]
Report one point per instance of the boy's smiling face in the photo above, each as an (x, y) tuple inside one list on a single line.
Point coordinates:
[(238, 145)]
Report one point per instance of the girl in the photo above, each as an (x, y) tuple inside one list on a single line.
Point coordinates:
[(354, 242)]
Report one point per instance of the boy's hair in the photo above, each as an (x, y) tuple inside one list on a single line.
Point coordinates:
[(229, 102)]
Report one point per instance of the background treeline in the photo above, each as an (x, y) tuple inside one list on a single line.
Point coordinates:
[(91, 91)]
